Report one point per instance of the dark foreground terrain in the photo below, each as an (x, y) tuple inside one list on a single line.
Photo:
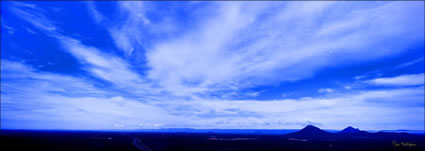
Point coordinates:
[(307, 139)]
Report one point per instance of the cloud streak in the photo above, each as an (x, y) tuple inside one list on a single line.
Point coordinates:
[(240, 49), (402, 80), (70, 103), (409, 63), (74, 103)]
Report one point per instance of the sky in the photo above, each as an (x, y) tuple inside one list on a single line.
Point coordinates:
[(125, 65)]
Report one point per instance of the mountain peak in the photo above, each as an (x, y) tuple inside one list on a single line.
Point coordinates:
[(310, 127), (350, 129), (310, 132)]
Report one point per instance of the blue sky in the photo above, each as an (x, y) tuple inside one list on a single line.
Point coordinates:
[(230, 65)]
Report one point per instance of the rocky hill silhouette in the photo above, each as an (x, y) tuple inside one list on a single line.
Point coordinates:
[(349, 130), (311, 132)]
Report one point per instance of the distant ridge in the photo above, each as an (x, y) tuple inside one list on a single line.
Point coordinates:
[(311, 132), (349, 130)]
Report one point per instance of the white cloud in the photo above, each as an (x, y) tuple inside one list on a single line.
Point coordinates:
[(243, 44), (364, 109), (409, 63), (237, 47), (402, 80), (325, 90), (97, 16), (9, 29), (127, 33), (74, 103), (107, 67), (70, 102), (33, 14), (24, 75), (253, 94), (102, 65), (359, 77)]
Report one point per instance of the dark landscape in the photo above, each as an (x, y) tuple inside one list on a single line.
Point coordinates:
[(308, 138)]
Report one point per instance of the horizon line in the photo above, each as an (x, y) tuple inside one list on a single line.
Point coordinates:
[(195, 129)]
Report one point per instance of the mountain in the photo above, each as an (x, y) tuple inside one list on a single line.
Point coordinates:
[(349, 130), (311, 129), (310, 132)]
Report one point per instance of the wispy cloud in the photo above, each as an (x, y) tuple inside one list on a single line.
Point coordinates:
[(325, 90), (97, 16), (402, 80), (105, 66), (358, 108), (76, 103), (127, 33), (409, 63), (9, 30), (238, 48), (33, 14)]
